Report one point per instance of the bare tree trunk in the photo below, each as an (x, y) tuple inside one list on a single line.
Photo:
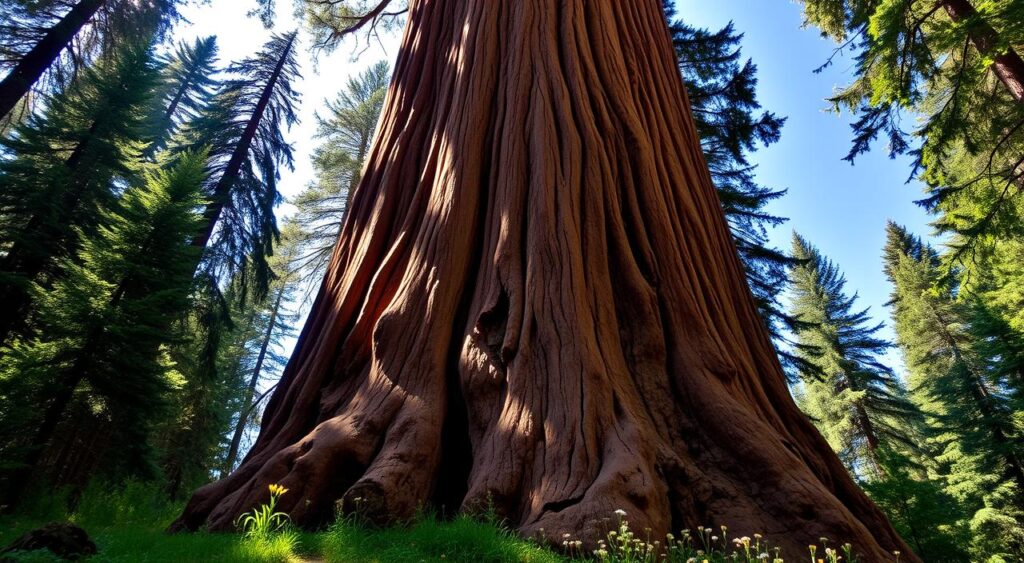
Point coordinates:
[(32, 66), (243, 414), (536, 305)]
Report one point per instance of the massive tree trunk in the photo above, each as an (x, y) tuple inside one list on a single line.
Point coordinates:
[(535, 305)]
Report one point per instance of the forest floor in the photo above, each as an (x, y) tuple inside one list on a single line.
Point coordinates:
[(128, 524), (460, 540)]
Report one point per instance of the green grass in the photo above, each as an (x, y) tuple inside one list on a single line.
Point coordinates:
[(127, 525), (462, 540), (428, 540)]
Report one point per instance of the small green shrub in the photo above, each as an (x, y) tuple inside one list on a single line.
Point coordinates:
[(264, 520)]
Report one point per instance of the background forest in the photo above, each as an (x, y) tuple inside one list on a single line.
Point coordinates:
[(155, 272)]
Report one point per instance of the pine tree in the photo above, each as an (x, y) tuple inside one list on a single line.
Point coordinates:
[(62, 169), (723, 91), (230, 346), (192, 441), (329, 21), (990, 275), (59, 38), (105, 323), (929, 519), (186, 85), (346, 133), (244, 128), (951, 378), (859, 404)]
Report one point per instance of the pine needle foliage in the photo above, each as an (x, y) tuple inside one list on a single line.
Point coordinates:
[(25, 24), (346, 133), (64, 168), (722, 87), (859, 405), (950, 373), (187, 83), (244, 128), (947, 62), (105, 323), (956, 381)]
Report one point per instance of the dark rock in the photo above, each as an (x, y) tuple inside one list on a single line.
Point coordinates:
[(62, 539)]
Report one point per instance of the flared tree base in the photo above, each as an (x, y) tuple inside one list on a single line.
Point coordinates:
[(535, 307)]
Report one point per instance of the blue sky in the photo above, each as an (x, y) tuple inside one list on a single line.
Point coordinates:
[(840, 208)]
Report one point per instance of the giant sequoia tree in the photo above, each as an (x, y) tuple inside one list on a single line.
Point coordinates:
[(535, 305)]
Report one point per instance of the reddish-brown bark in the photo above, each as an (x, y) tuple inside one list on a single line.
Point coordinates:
[(535, 304), (1007, 65)]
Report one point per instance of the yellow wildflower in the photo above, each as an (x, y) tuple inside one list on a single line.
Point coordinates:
[(277, 490)]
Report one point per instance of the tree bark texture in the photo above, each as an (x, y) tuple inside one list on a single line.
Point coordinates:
[(535, 305), (1008, 66)]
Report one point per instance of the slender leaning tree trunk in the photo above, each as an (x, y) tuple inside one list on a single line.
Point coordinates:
[(254, 380), (535, 305), (222, 191), (32, 66)]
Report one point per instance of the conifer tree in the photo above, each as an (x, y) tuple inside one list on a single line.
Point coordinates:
[(105, 323), (187, 84), (345, 133), (244, 128), (230, 346), (950, 375), (41, 52), (61, 37), (858, 404), (259, 354), (990, 275), (330, 21), (192, 441), (722, 88), (61, 170), (957, 63)]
